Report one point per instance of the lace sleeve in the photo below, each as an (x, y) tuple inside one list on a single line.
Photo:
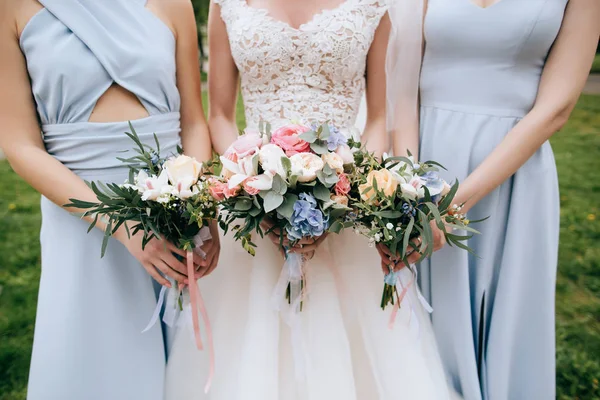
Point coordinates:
[(227, 10)]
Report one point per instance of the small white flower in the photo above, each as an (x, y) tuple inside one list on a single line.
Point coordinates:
[(398, 228), (377, 237), (390, 226)]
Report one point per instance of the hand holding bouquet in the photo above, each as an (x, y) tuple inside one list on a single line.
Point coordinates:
[(396, 201)]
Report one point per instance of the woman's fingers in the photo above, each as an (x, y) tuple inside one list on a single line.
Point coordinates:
[(173, 263), (175, 249), (213, 263), (212, 258), (156, 276), (168, 271), (385, 256), (304, 249)]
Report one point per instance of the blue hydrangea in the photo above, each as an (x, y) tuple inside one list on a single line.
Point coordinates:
[(335, 139), (307, 219), (433, 182)]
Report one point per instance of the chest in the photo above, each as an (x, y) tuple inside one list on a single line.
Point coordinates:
[(263, 40), (507, 28)]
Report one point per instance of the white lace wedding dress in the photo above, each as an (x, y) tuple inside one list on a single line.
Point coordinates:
[(347, 350)]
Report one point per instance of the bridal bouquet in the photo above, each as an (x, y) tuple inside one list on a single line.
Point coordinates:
[(395, 200), (166, 198), (295, 178)]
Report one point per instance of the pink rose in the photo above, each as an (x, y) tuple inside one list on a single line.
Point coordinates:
[(287, 138), (217, 189), (248, 187), (245, 145), (342, 187), (231, 192)]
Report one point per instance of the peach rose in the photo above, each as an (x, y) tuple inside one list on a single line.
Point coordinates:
[(334, 161), (341, 200), (386, 183)]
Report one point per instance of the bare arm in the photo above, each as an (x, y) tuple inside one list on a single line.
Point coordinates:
[(20, 136), (405, 134), (21, 140), (194, 130), (375, 135), (562, 81), (195, 138), (222, 83)]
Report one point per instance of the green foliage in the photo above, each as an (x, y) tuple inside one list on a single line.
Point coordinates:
[(596, 65)]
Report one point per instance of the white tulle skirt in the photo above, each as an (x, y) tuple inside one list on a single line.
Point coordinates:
[(347, 349)]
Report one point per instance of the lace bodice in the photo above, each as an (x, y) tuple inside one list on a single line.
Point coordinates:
[(315, 72)]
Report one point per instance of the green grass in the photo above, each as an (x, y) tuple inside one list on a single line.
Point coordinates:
[(577, 150), (596, 65)]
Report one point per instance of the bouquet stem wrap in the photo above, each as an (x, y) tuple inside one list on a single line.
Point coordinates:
[(292, 279)]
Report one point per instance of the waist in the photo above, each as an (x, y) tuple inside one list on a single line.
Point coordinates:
[(91, 149), (476, 109), (508, 93)]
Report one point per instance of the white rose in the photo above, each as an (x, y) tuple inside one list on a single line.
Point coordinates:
[(261, 182), (334, 161), (270, 156), (184, 189), (413, 189), (152, 186), (345, 154), (183, 168), (306, 166), (245, 168), (446, 189)]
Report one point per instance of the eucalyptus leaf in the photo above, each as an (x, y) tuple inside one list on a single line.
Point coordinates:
[(287, 164), (325, 133), (406, 238), (321, 193), (286, 209), (272, 200), (336, 227), (279, 185), (310, 136), (243, 204), (319, 147)]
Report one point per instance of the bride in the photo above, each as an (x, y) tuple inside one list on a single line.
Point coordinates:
[(300, 60)]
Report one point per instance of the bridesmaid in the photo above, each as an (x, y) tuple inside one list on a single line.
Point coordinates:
[(499, 78), (78, 70)]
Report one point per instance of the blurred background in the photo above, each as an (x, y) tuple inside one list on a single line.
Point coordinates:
[(577, 150)]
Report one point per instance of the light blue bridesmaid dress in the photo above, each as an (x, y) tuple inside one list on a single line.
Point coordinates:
[(88, 343), (494, 312)]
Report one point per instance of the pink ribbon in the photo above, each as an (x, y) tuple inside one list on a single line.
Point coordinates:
[(401, 296), (197, 304)]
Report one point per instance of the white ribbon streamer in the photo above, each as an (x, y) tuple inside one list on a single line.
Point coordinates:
[(292, 274)]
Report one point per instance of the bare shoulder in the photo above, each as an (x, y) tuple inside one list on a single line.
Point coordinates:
[(177, 14), (8, 20)]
